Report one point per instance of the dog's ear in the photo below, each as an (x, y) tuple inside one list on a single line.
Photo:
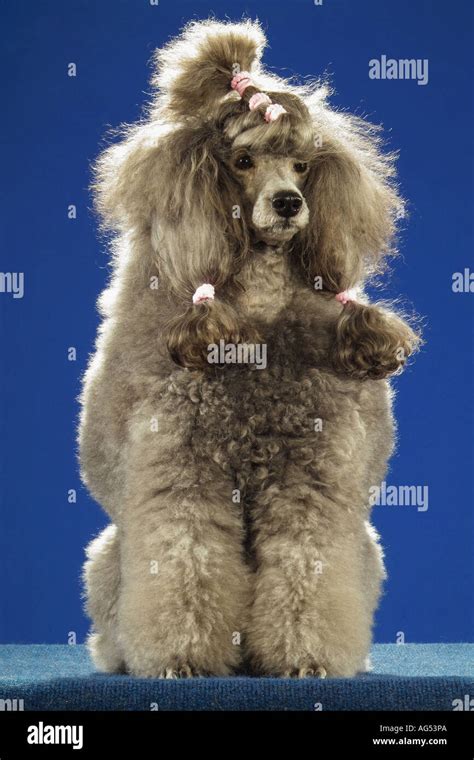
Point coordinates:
[(199, 237), (354, 208), (198, 233), (176, 184), (194, 71), (353, 203)]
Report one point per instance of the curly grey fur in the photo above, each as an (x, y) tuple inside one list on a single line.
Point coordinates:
[(240, 524)]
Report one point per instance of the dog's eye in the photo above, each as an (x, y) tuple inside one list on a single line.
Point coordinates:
[(300, 167), (244, 162)]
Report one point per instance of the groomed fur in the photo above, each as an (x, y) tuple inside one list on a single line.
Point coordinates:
[(372, 342), (224, 495), (202, 326), (199, 65)]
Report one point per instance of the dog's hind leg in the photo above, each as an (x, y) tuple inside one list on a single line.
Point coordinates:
[(102, 587)]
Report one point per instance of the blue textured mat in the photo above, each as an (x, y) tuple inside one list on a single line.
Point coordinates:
[(404, 677)]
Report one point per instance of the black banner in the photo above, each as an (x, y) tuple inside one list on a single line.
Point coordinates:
[(374, 734)]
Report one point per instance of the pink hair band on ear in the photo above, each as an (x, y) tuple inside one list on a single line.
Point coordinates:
[(204, 292), (241, 81), (346, 296)]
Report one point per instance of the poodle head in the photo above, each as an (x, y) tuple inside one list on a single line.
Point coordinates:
[(209, 175), (266, 162)]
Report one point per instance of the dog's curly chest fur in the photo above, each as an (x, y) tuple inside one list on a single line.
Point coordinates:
[(255, 424), (267, 284)]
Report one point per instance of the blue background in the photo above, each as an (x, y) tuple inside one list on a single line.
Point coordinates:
[(52, 126)]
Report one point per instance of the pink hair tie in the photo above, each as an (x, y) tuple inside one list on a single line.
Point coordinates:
[(346, 296), (203, 293), (274, 111), (241, 81), (259, 99)]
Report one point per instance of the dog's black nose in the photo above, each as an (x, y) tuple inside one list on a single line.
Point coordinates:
[(287, 204)]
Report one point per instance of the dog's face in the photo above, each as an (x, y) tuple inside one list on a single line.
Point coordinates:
[(273, 193)]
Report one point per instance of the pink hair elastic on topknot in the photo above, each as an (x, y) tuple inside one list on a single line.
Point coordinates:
[(204, 292), (346, 296), (241, 81), (274, 111), (259, 99)]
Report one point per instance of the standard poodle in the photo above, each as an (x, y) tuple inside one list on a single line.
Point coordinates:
[(236, 413)]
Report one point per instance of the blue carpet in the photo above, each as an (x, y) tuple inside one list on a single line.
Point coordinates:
[(404, 677)]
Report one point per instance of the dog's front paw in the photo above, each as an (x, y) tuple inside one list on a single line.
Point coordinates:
[(294, 651), (183, 671), (316, 671)]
